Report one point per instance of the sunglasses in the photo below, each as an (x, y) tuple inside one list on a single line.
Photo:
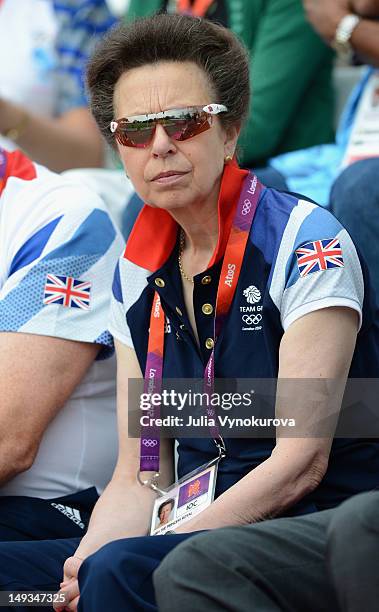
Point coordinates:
[(178, 123)]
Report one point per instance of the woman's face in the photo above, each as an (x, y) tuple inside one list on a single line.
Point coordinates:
[(199, 161), (165, 513)]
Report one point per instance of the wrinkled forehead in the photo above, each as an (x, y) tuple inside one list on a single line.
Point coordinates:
[(154, 88)]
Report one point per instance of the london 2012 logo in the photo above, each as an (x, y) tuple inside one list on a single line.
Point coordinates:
[(252, 294)]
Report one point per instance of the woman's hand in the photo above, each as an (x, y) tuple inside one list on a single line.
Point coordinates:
[(366, 8), (325, 16), (69, 585)]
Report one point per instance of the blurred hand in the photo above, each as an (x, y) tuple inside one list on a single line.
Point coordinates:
[(325, 15), (365, 8), (70, 585)]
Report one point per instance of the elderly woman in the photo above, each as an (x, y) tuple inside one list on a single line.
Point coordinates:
[(210, 246)]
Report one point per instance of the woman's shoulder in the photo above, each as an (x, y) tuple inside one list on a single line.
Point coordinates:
[(285, 208), (285, 219), (129, 281)]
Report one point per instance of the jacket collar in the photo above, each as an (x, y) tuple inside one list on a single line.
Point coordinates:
[(155, 232)]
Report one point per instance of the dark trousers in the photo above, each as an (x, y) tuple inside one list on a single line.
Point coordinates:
[(289, 564), (30, 518), (327, 561), (36, 537), (34, 566), (118, 577)]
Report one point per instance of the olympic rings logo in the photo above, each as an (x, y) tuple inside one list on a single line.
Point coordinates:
[(252, 319), (150, 443), (246, 208)]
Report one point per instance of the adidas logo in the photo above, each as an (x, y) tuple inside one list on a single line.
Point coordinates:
[(71, 513)]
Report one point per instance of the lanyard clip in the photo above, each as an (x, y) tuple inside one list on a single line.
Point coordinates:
[(151, 482), (219, 441)]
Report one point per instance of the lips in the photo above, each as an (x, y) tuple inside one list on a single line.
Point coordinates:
[(168, 174)]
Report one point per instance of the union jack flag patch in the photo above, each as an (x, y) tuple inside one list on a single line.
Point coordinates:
[(319, 255), (67, 291)]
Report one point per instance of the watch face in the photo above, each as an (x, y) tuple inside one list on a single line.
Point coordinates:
[(344, 31)]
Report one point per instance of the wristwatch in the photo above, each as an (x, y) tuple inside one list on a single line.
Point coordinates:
[(344, 31)]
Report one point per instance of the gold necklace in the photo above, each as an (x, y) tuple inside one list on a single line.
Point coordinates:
[(181, 249)]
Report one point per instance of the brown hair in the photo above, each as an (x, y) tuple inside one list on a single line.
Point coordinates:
[(165, 503), (177, 38)]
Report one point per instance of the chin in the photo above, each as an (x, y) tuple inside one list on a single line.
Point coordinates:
[(170, 201)]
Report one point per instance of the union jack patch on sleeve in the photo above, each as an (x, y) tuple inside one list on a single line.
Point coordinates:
[(67, 291), (319, 255)]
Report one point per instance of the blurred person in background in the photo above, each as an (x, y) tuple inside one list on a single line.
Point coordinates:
[(44, 45), (353, 28), (58, 440), (344, 176)]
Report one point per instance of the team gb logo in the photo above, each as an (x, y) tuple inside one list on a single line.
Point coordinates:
[(252, 294)]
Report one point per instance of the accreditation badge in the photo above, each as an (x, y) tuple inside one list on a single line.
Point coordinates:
[(364, 139), (184, 499)]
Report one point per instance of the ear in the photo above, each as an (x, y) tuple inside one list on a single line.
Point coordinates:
[(231, 136)]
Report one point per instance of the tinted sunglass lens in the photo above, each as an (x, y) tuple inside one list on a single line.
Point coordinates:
[(182, 129), (134, 134), (196, 125), (140, 134), (174, 127), (133, 139), (122, 138)]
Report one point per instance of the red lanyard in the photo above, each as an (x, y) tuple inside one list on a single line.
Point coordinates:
[(198, 8), (231, 268)]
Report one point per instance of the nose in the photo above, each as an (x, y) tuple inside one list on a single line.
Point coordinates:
[(162, 145)]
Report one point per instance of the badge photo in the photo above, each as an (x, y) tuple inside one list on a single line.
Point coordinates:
[(184, 500)]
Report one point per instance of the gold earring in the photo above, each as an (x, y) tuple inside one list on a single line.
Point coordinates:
[(228, 159)]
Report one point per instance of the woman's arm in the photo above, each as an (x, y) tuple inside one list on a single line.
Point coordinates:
[(325, 16), (124, 509), (69, 141), (69, 138), (319, 345), (365, 41)]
